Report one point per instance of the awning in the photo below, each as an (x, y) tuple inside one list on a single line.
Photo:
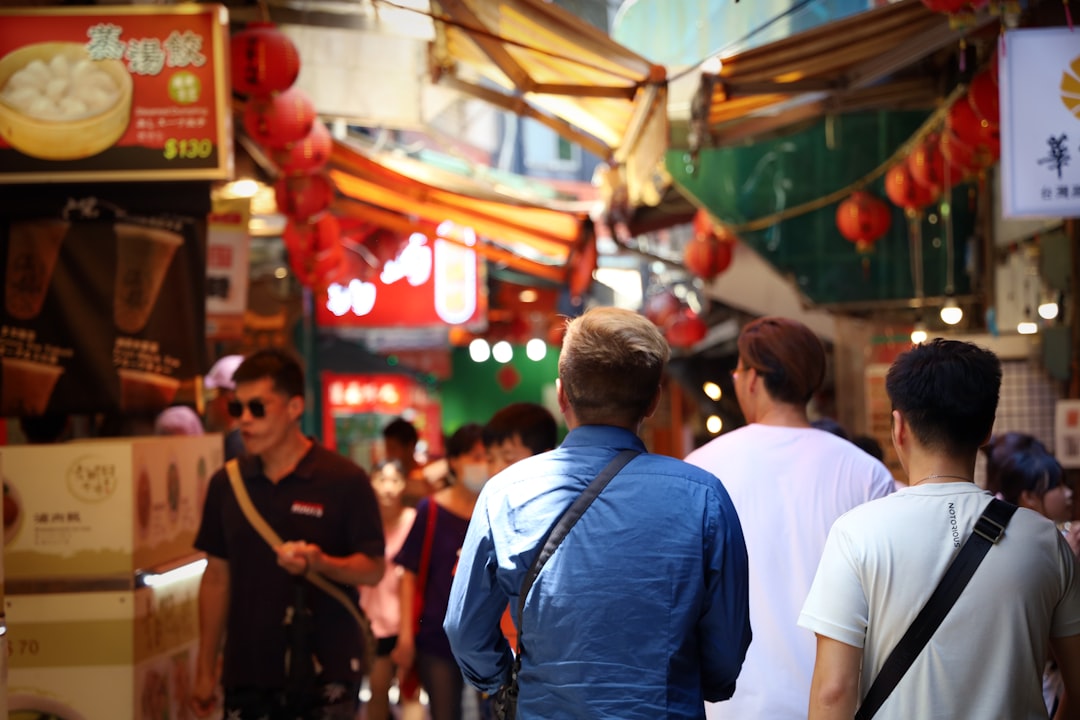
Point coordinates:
[(856, 63), (406, 195), (557, 69)]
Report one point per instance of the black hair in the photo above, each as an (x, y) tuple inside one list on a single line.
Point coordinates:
[(464, 440), (1001, 448), (870, 446), (1029, 469), (401, 430), (830, 426), (947, 391), (279, 366), (532, 423)]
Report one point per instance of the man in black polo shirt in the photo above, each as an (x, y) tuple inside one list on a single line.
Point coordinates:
[(290, 650)]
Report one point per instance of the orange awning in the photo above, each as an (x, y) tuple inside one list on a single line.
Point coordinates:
[(404, 194)]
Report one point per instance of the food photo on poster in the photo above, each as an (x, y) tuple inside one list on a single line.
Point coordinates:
[(104, 302), (113, 93)]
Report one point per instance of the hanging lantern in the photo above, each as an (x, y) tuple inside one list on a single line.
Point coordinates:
[(977, 134), (710, 251), (302, 197), (381, 246), (283, 119), (315, 251), (863, 219), (307, 155), (984, 99), (927, 165), (661, 307), (904, 191), (686, 330), (960, 158), (264, 60)]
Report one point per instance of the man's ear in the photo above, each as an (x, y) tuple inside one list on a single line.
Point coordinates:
[(899, 430), (295, 407), (655, 402), (560, 393)]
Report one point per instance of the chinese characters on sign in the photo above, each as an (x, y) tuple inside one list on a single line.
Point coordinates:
[(1040, 123)]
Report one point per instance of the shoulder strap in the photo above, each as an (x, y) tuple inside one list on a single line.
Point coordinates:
[(272, 539), (425, 563), (562, 528), (989, 529)]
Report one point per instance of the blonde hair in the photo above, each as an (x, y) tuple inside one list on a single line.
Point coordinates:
[(611, 365)]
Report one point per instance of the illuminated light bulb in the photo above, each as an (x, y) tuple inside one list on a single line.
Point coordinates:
[(479, 350), (502, 352), (1048, 310), (918, 334), (951, 312), (712, 390), (1026, 327), (536, 349), (714, 424)]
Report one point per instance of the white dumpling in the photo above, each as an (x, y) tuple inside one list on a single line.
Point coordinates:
[(92, 96), (56, 88), (24, 78), (21, 98), (60, 66), (80, 69), (39, 70), (72, 107), (43, 108), (100, 79)]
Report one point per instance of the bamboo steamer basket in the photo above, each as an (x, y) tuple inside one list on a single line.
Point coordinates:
[(63, 139)]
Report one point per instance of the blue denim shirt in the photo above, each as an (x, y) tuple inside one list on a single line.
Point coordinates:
[(642, 612)]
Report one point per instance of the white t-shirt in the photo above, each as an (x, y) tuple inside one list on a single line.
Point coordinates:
[(883, 560), (788, 485)]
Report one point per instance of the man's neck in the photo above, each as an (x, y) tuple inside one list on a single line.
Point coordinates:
[(282, 459), (783, 415), (938, 469)]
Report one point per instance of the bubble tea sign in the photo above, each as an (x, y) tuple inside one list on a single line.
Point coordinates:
[(114, 93)]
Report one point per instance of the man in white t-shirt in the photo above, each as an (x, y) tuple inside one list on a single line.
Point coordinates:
[(789, 482), (883, 560)]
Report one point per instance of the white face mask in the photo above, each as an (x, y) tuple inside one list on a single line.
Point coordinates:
[(474, 475)]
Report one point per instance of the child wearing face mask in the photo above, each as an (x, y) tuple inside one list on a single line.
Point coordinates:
[(429, 558)]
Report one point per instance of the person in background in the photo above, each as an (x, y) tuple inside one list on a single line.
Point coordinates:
[(789, 482), (400, 439), (883, 560), (830, 426), (290, 650), (438, 531), (642, 611), (219, 387), (382, 602), (178, 420), (1000, 448), (518, 431), (870, 446)]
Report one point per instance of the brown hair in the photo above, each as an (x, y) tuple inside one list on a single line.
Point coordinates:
[(788, 355), (611, 364)]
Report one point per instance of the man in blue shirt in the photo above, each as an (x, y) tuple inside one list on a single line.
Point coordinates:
[(642, 611)]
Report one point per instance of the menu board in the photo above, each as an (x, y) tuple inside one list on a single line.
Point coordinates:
[(114, 93), (104, 296)]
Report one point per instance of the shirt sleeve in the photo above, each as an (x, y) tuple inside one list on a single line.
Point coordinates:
[(724, 629), (836, 605), (211, 536), (1066, 620), (476, 605), (408, 556)]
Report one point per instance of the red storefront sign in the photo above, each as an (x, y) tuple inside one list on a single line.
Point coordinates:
[(114, 93), (430, 283)]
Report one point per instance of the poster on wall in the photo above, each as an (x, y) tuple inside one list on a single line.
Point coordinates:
[(227, 265), (104, 297), (1067, 433), (1039, 83), (114, 93)]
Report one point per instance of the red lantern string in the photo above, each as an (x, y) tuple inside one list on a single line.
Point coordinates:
[(863, 219), (307, 155), (264, 60), (1068, 14), (281, 120)]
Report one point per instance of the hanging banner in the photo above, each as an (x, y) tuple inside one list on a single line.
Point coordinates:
[(114, 93), (104, 297), (1039, 82), (227, 268)]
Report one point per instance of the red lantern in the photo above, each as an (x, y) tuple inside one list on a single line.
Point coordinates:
[(264, 60), (984, 99), (927, 165), (315, 250), (707, 257), (862, 219), (580, 265), (283, 119), (382, 246), (960, 158), (307, 155), (686, 330), (904, 191), (661, 307), (303, 197), (977, 134)]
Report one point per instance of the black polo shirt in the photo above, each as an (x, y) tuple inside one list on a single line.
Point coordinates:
[(327, 500)]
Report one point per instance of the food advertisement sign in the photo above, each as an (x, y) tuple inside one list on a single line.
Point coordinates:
[(114, 93), (1040, 122)]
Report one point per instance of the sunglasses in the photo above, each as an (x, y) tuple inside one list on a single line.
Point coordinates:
[(255, 407)]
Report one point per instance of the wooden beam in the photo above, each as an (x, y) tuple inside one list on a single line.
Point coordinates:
[(519, 106), (492, 47), (625, 92), (737, 88)]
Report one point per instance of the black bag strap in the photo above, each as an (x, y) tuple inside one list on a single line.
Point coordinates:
[(989, 528), (562, 527)]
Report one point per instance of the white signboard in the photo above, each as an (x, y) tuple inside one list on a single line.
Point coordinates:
[(1039, 80)]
